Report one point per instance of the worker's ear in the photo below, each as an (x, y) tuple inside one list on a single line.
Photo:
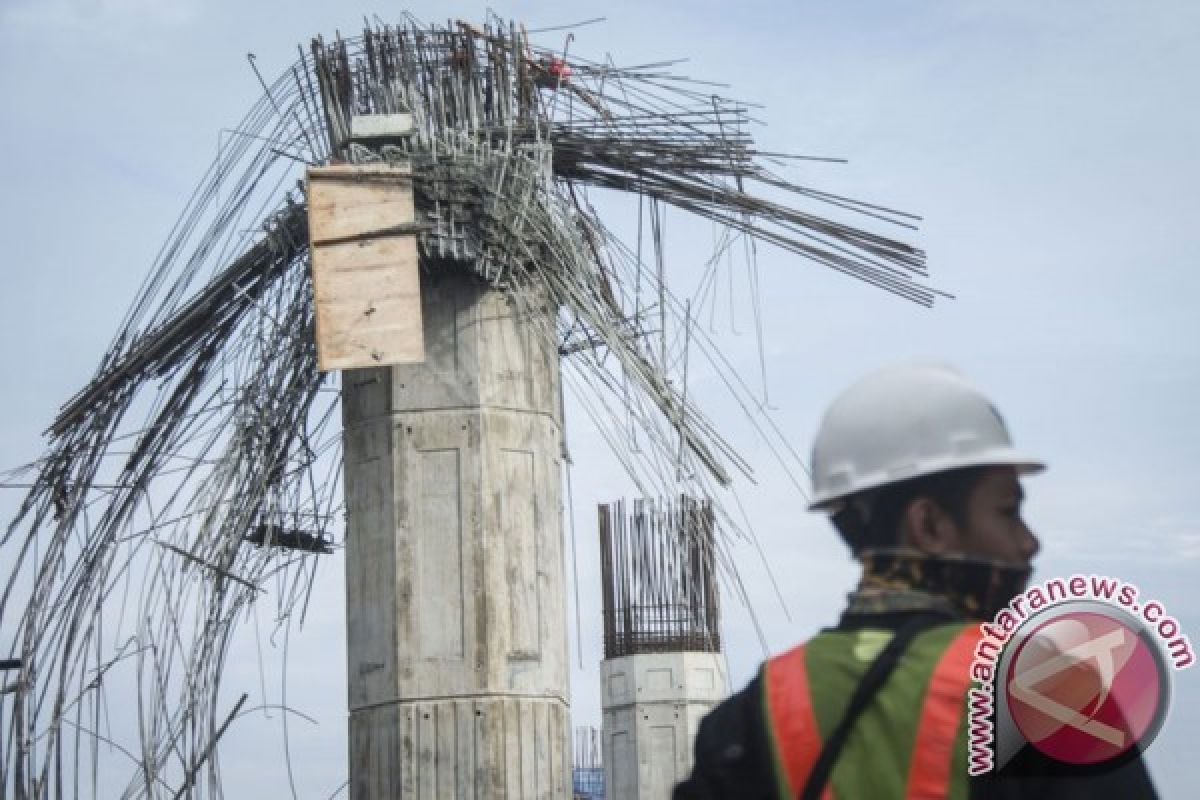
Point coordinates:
[(927, 527)]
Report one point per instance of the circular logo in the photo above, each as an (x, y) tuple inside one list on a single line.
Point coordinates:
[(1087, 687)]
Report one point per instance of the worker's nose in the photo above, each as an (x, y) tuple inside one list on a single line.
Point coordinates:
[(1030, 544)]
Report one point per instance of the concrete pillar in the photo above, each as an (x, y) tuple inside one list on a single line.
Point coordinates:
[(454, 559), (653, 703), (662, 669)]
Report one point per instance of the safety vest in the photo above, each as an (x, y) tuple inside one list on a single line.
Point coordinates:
[(909, 743)]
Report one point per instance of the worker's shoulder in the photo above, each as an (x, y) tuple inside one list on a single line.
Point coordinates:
[(732, 757), (736, 716)]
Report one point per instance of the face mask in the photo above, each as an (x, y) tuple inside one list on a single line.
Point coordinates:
[(905, 579)]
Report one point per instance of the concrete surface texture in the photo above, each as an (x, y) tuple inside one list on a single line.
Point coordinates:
[(652, 706), (454, 558)]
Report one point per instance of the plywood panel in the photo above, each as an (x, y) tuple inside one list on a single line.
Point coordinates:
[(366, 284), (349, 200)]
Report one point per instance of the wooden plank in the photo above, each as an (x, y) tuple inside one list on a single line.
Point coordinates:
[(350, 200), (366, 282), (368, 303)]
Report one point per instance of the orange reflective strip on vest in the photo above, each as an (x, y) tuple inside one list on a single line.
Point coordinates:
[(933, 750), (792, 722)]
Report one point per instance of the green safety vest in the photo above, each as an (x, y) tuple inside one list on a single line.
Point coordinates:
[(909, 743)]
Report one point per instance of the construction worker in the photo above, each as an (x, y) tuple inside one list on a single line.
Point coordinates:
[(919, 476)]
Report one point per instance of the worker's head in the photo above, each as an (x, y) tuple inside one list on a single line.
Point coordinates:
[(916, 458), (973, 512)]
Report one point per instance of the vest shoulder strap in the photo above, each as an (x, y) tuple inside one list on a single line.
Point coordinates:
[(930, 773), (791, 721)]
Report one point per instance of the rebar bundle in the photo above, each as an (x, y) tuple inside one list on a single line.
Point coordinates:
[(196, 478), (658, 567)]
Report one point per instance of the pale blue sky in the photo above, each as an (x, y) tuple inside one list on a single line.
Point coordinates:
[(1050, 147)]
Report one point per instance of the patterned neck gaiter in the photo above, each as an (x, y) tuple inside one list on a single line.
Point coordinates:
[(908, 580)]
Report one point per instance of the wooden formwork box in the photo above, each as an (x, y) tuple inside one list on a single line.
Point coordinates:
[(366, 286)]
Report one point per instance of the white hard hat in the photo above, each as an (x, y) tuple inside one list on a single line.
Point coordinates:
[(905, 422)]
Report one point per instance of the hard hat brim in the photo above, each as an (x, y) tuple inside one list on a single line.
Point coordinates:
[(1024, 465)]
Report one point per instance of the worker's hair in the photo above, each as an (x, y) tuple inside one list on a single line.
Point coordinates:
[(872, 519)]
